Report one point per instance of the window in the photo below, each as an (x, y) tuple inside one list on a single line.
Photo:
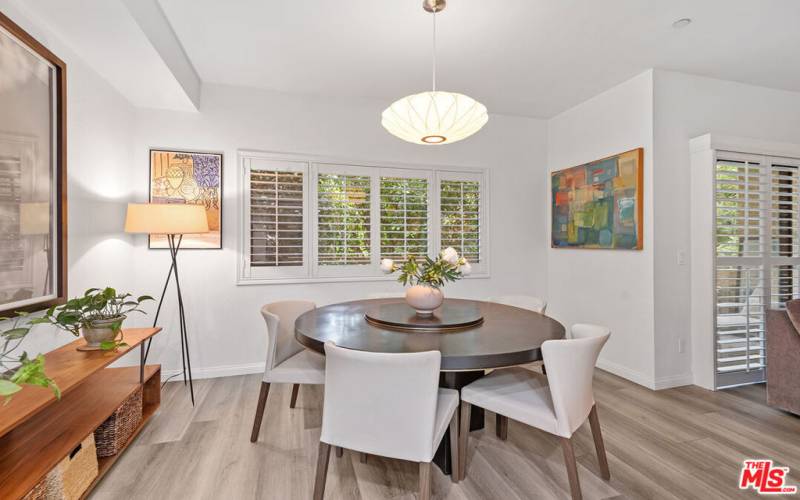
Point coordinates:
[(275, 205), (343, 220), (757, 257), (306, 219), (460, 205), (404, 216)]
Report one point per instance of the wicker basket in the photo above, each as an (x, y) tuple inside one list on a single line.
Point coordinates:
[(112, 434), (71, 477), (48, 488)]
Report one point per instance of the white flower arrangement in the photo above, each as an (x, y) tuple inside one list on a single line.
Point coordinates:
[(448, 266)]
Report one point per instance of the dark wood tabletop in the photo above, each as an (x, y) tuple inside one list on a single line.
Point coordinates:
[(507, 336)]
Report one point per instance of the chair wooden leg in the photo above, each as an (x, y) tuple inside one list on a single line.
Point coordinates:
[(466, 410), (363, 457), (455, 474), (262, 401), (501, 426), (594, 422), (572, 468), (322, 470), (424, 481), (339, 451), (295, 389)]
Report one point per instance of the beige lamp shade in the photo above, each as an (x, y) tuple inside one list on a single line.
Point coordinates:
[(165, 218), (34, 218)]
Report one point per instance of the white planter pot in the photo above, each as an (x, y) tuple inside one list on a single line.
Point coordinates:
[(424, 299), (100, 331)]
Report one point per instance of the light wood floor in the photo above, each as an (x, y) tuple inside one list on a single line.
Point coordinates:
[(677, 443)]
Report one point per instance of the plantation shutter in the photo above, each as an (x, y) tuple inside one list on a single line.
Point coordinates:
[(460, 207), (276, 217), (404, 216), (757, 258), (12, 254), (317, 220), (344, 217)]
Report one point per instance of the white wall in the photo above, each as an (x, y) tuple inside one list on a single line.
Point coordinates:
[(225, 327), (644, 296), (99, 160), (687, 106), (608, 287)]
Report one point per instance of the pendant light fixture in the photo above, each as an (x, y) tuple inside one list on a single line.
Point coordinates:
[(434, 117)]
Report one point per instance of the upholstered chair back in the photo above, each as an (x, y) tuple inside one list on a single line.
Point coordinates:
[(280, 318), (381, 403), (522, 301), (570, 368)]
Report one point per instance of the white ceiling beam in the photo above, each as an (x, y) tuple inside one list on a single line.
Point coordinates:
[(151, 19), (131, 46)]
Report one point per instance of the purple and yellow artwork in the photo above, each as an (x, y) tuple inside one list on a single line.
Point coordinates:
[(599, 204), (193, 178)]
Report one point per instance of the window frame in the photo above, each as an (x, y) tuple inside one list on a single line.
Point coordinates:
[(314, 273), (482, 267), (332, 270), (766, 261), (433, 200), (246, 271)]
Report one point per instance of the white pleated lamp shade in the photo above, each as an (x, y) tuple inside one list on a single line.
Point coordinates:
[(434, 117)]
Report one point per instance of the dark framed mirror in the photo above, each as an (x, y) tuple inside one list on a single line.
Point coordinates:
[(33, 173)]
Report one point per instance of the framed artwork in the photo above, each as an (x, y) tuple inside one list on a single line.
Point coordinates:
[(188, 177), (599, 204), (33, 173)]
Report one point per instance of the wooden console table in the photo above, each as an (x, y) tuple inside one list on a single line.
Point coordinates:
[(37, 431)]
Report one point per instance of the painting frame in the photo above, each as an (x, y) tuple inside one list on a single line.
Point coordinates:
[(58, 267), (586, 241), (186, 243)]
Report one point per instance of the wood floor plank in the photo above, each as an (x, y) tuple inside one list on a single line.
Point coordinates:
[(681, 443)]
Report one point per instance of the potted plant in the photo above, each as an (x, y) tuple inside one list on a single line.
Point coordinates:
[(427, 276), (19, 369), (97, 315)]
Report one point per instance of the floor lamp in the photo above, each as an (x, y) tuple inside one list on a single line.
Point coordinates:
[(34, 220), (173, 221)]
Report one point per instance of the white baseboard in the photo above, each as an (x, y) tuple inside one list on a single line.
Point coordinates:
[(218, 371), (674, 381), (626, 373)]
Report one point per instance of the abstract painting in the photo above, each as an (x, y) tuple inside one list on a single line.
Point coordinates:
[(599, 204), (193, 178)]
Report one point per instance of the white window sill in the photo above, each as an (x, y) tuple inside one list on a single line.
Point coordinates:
[(342, 279)]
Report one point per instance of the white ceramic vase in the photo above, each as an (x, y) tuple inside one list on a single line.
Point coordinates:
[(424, 299)]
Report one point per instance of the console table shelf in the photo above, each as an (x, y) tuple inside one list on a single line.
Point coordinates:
[(37, 431)]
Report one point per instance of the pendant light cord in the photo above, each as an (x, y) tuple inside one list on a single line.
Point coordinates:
[(434, 49)]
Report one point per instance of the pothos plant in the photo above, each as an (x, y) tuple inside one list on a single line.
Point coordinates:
[(446, 267), (19, 369), (94, 306)]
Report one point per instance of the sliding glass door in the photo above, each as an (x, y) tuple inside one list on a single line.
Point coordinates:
[(757, 263)]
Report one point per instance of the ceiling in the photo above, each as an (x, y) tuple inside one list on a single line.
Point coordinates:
[(525, 57)]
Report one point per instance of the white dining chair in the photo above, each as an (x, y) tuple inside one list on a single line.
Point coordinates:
[(529, 302), (386, 404), (558, 403), (287, 361), (386, 295)]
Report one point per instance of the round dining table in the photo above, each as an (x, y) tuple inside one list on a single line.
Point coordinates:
[(499, 336)]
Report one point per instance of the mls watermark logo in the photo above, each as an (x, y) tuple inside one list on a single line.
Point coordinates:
[(765, 478)]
